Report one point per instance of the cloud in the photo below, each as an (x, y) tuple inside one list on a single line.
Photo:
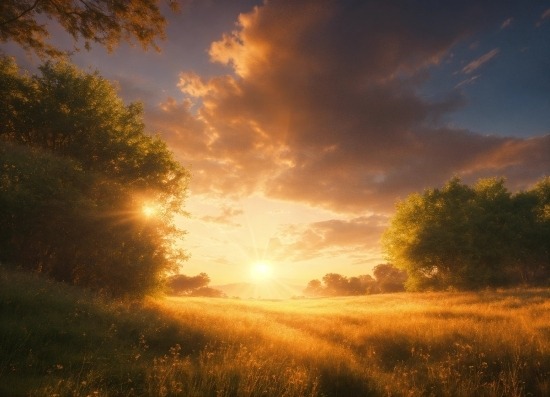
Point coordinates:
[(328, 238), (542, 19), (226, 216), (522, 161), (320, 105), (468, 81), (192, 84), (477, 63), (216, 168), (507, 23)]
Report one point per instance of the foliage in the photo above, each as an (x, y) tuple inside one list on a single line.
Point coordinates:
[(387, 279), (470, 237), (334, 284), (77, 168), (58, 340), (533, 213), (180, 284), (106, 22), (314, 288)]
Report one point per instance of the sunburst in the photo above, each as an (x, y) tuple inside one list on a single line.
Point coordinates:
[(261, 271)]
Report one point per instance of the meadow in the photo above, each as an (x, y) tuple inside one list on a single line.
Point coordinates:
[(56, 340)]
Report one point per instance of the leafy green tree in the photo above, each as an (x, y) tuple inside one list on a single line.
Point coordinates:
[(532, 209), (464, 237), (77, 169), (39, 195), (422, 229), (80, 115), (106, 22), (542, 212)]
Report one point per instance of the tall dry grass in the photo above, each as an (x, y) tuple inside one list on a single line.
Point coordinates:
[(491, 343), (61, 342)]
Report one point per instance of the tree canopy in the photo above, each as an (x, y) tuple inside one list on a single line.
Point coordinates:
[(180, 284), (387, 278), (77, 170), (469, 237), (106, 22)]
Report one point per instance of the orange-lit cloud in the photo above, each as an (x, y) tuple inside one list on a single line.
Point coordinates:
[(226, 216), (328, 238), (320, 105), (522, 161)]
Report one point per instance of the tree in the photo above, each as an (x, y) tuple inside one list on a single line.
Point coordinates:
[(77, 168), (532, 209), (180, 284), (79, 115), (389, 278), (368, 284), (355, 286), (337, 285), (462, 237), (314, 288), (541, 249), (106, 22)]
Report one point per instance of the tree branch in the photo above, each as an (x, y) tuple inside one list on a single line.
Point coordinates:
[(21, 14)]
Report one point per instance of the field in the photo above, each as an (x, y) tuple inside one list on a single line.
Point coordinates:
[(60, 341)]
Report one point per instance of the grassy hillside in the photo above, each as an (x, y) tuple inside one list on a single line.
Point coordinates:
[(56, 340)]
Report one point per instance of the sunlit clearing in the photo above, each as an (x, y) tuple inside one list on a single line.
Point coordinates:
[(149, 210), (261, 271)]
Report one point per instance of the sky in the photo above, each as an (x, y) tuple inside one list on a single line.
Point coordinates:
[(304, 122)]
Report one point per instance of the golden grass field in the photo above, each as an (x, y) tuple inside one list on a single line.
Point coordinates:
[(489, 343)]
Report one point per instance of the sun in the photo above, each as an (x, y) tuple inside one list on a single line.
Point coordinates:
[(149, 210), (261, 271)]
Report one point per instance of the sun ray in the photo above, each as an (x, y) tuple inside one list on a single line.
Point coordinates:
[(149, 210), (261, 271)]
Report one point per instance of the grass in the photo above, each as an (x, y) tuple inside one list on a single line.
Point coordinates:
[(59, 341)]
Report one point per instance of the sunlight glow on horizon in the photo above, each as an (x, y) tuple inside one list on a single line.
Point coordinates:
[(257, 231), (261, 271)]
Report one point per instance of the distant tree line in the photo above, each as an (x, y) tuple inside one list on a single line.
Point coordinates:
[(387, 278), (468, 237), (183, 285), (77, 168)]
